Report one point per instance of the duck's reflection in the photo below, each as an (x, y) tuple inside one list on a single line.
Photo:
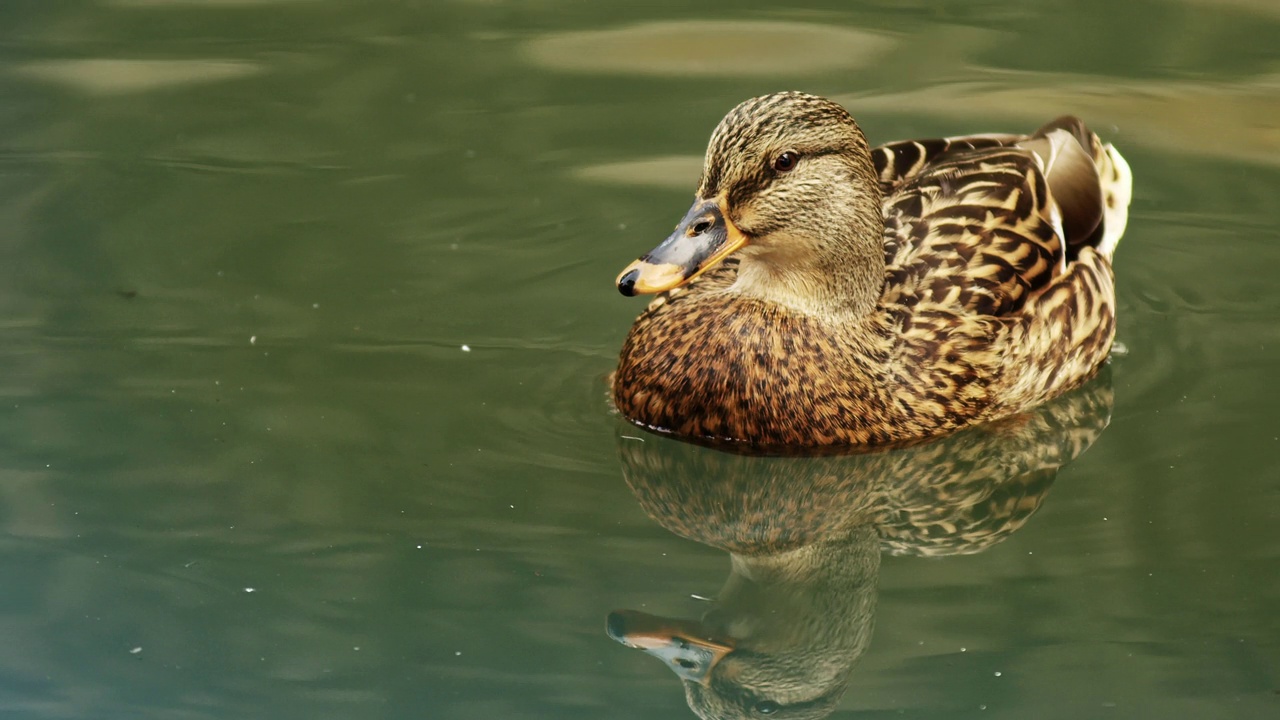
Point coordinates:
[(805, 537)]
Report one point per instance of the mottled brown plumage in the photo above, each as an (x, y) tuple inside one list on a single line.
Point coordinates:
[(806, 534), (850, 296)]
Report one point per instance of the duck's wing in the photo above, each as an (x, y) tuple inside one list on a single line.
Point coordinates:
[(901, 161), (978, 224)]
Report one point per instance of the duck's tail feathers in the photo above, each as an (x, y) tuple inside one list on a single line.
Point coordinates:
[(1117, 190), (1089, 182)]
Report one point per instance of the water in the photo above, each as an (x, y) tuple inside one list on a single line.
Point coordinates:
[(248, 468)]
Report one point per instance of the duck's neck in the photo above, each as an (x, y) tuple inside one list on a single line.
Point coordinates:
[(832, 270), (834, 287)]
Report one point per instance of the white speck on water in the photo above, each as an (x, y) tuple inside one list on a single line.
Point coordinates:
[(248, 590), (253, 339), (1119, 348), (1104, 519), (964, 649), (315, 306), (457, 653), (419, 547), (356, 648), (513, 507), (700, 597), (998, 673), (632, 437), (466, 348), (136, 650), (622, 226)]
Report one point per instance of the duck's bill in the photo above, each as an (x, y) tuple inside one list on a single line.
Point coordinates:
[(703, 238), (681, 644)]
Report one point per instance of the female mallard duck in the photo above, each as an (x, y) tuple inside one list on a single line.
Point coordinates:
[(822, 293)]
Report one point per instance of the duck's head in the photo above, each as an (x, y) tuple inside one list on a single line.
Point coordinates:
[(787, 182)]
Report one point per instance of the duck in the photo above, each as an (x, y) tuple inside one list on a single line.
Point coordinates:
[(805, 537), (823, 293)]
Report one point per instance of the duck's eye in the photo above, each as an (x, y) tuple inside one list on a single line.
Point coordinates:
[(767, 707), (785, 161)]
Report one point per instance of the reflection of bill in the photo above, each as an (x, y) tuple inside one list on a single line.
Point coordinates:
[(805, 537)]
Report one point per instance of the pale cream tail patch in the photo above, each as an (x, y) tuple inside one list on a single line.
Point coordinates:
[(1117, 191)]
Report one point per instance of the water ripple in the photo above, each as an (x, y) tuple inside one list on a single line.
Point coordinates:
[(100, 76), (708, 48)]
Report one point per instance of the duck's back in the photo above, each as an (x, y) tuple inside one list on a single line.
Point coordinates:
[(1003, 241)]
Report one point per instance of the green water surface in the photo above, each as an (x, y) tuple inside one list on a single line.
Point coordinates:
[(306, 308)]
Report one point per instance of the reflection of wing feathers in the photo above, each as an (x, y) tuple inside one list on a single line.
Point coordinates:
[(952, 495)]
